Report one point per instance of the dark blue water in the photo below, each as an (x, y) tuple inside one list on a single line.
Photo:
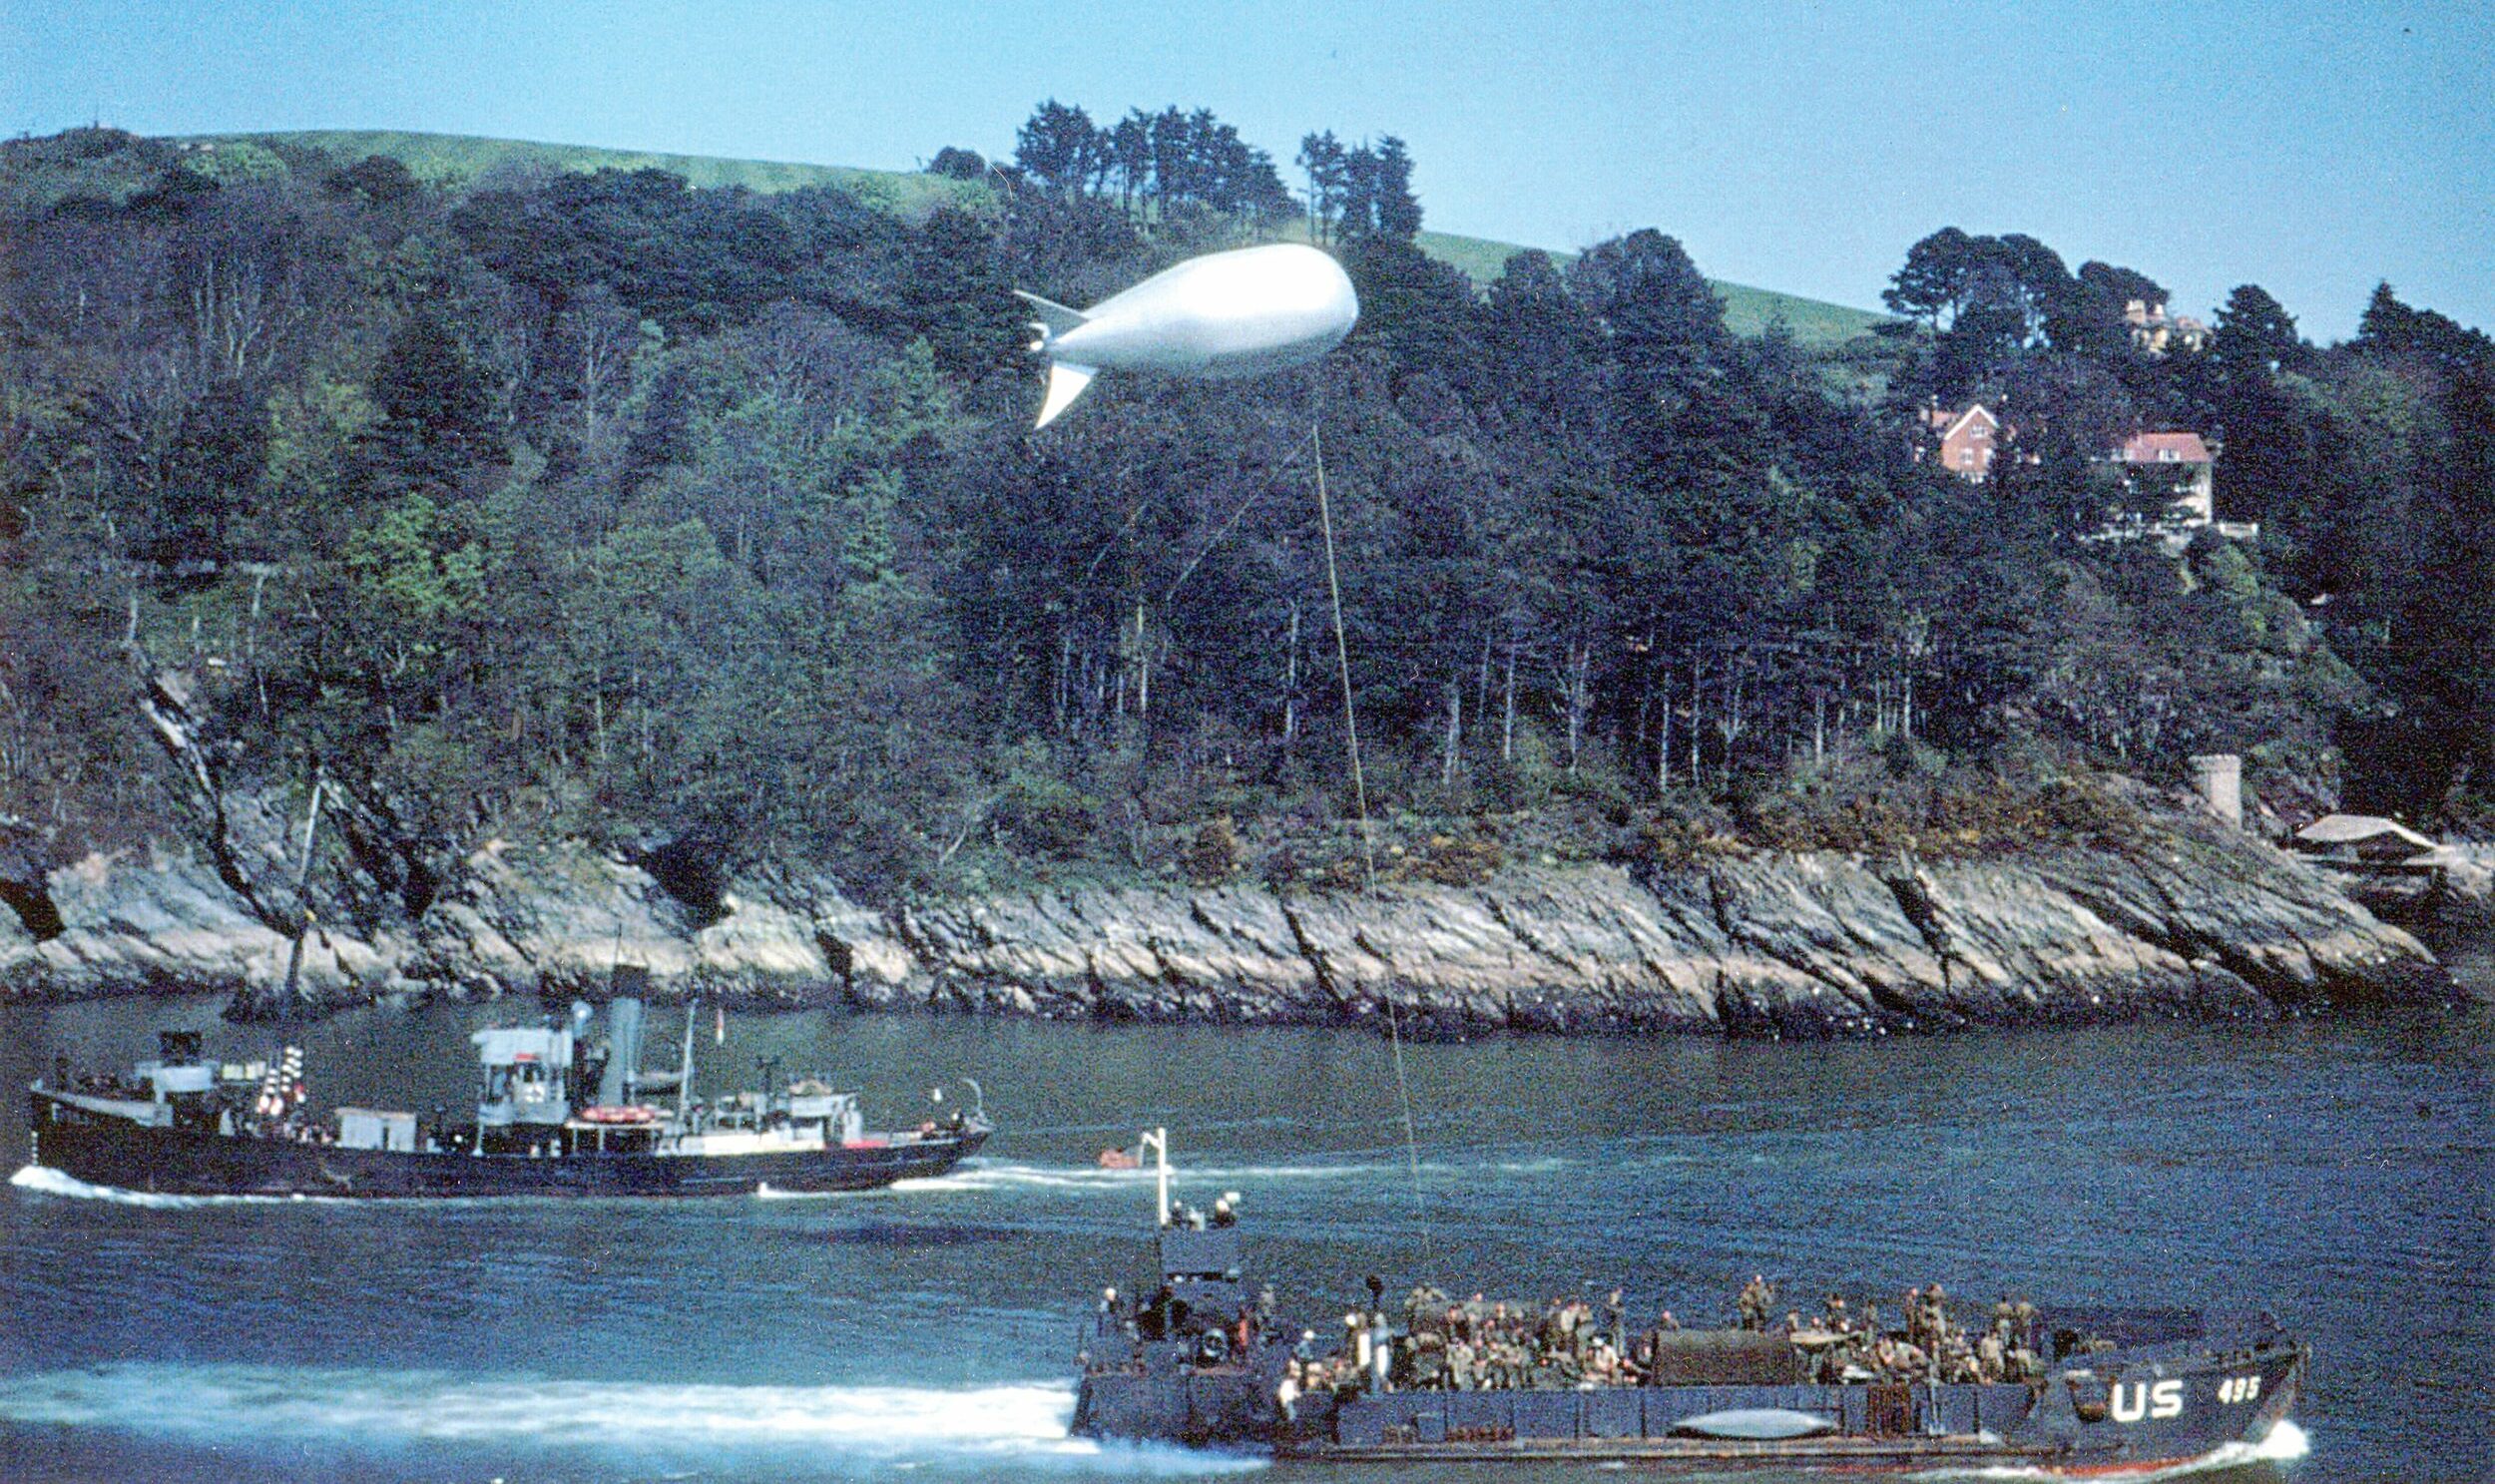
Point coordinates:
[(2339, 1175)]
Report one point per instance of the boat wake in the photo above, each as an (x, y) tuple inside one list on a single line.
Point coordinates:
[(46, 1182), (217, 1404), (2285, 1444), (767, 1192), (986, 1175), (53, 1182)]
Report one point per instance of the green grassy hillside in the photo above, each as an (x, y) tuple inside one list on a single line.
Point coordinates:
[(1747, 310), (457, 157)]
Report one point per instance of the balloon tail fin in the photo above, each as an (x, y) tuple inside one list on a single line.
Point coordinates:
[(1066, 382), (1055, 319)]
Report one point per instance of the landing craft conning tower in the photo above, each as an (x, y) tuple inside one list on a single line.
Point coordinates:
[(526, 1087), (1202, 1269), (1197, 1361)]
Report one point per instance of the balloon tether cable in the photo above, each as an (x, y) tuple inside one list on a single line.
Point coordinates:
[(1360, 804)]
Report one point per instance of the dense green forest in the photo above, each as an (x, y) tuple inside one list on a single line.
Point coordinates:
[(596, 503)]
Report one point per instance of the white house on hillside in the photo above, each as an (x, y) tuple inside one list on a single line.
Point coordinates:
[(2187, 463)]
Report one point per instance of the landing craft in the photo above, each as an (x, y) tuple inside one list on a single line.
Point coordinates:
[(2082, 1393), (1235, 314)]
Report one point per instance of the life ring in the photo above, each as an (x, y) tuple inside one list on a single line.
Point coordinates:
[(1213, 1348), (611, 1114)]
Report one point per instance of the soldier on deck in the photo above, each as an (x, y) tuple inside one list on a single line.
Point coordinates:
[(1665, 1322), (1581, 1332), (1560, 1372), (2025, 1364), (1552, 1331), (1424, 1309), (1958, 1363), (1426, 1362)]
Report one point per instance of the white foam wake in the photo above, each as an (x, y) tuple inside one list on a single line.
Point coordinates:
[(53, 1182), (980, 1176), (2286, 1443), (225, 1402), (766, 1191), (986, 1175), (989, 1175)]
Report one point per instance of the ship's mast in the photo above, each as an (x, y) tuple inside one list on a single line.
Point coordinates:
[(1157, 1141), (683, 1069)]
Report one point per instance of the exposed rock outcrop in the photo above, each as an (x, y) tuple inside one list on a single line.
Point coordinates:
[(1809, 944), (123, 926), (2196, 922)]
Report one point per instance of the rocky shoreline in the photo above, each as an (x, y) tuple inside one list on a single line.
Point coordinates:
[(2194, 921)]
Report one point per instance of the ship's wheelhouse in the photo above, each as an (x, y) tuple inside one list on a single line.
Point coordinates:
[(524, 1093)]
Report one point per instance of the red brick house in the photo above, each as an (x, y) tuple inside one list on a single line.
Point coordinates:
[(1965, 440)]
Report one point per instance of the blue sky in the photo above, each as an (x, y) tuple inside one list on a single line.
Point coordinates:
[(1792, 146)]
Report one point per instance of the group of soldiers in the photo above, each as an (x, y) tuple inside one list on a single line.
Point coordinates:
[(1933, 1345), (1478, 1344)]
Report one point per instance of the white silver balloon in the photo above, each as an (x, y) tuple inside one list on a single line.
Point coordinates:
[(1234, 314)]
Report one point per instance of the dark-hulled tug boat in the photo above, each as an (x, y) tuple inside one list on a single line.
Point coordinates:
[(1202, 1362), (555, 1116)]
